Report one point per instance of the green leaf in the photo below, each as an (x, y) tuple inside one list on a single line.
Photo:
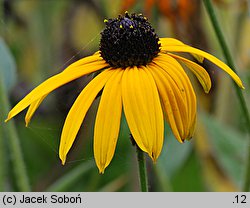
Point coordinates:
[(7, 66), (230, 147)]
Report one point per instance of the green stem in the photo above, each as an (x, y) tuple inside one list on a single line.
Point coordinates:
[(14, 145), (143, 179), (230, 62)]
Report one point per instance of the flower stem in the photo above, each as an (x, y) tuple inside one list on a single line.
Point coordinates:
[(230, 62), (14, 145), (142, 170)]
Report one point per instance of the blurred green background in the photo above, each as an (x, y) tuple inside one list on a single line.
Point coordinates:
[(39, 38)]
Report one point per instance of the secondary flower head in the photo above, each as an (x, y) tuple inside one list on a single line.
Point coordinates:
[(139, 74)]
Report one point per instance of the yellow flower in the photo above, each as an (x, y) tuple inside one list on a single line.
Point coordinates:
[(139, 74)]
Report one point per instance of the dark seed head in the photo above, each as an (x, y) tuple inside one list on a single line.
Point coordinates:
[(128, 40)]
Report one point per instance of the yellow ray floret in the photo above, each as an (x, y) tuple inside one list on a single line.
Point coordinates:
[(143, 110), (87, 60), (177, 73), (198, 71), (32, 108), (172, 101), (166, 47), (78, 111), (179, 81), (174, 42), (107, 122), (53, 83)]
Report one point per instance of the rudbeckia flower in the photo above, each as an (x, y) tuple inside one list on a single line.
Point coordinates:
[(140, 74)]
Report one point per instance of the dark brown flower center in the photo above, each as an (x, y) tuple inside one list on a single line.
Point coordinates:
[(128, 40)]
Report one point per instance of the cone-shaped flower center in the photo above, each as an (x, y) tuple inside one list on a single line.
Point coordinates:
[(128, 40)]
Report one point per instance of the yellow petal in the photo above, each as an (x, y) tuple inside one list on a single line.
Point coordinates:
[(32, 108), (223, 66), (78, 111), (198, 70), (165, 42), (143, 110), (172, 101), (87, 60), (177, 73), (107, 122), (53, 83), (170, 42)]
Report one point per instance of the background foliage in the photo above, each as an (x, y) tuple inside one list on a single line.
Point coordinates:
[(39, 38)]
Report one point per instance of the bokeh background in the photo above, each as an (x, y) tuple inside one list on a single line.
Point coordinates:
[(39, 38)]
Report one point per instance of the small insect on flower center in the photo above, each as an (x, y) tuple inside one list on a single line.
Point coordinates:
[(128, 40)]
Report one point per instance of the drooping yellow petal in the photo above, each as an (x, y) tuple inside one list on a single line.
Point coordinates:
[(78, 111), (178, 73), (175, 70), (143, 110), (189, 49), (107, 122), (172, 101), (165, 42), (87, 60), (53, 83), (198, 70), (32, 108)]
